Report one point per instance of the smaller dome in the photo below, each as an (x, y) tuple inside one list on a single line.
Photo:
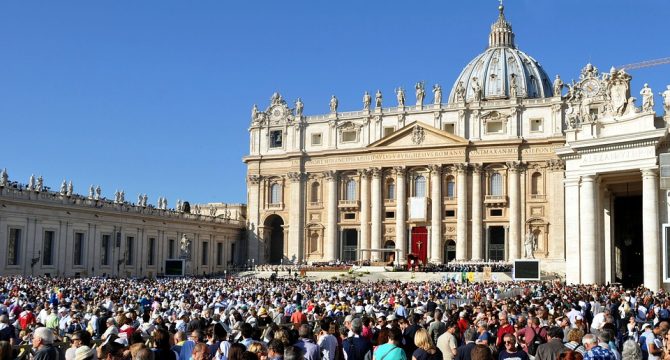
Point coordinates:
[(502, 71)]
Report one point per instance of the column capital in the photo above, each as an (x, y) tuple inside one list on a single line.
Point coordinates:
[(477, 168), (363, 173), (435, 168), (254, 179), (514, 166), (295, 176), (399, 170), (589, 178), (376, 172), (652, 172), (556, 165), (330, 174), (461, 167)]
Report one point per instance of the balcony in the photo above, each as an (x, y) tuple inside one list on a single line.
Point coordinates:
[(314, 205), (276, 206), (389, 202), (495, 200), (349, 204), (538, 197)]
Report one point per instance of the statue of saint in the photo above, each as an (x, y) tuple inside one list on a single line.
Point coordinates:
[(122, 196), (31, 182), (476, 89), (98, 193), (367, 100), (460, 92), (530, 244), (276, 99), (91, 192), (139, 199), (145, 198), (647, 98), (212, 210), (400, 95), (70, 189), (63, 188), (298, 107), (558, 86), (420, 93), (437, 94), (333, 104), (4, 178), (254, 113), (666, 100), (378, 99), (40, 184)]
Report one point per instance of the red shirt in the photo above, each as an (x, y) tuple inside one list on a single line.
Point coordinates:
[(507, 329), (26, 318), (298, 318)]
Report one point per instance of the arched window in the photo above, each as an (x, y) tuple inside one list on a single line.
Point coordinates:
[(420, 186), (351, 190), (275, 194), (451, 186), (390, 189), (536, 184), (314, 193), (496, 184)]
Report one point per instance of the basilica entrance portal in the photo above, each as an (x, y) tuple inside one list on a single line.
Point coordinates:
[(419, 243), (449, 250), (350, 244), (627, 231), (496, 243), (275, 224)]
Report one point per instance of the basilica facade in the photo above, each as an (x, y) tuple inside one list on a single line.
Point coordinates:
[(514, 164)]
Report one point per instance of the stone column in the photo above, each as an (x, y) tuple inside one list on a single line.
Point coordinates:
[(514, 211), (462, 209), (365, 212), (572, 255), (296, 216), (331, 241), (587, 228), (476, 211), (253, 241), (650, 230), (376, 224), (436, 214), (401, 214)]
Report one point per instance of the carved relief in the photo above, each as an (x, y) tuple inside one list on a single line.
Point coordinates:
[(254, 179), (295, 176), (418, 135), (330, 175)]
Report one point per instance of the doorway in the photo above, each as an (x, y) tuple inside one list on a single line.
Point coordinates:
[(629, 262), (389, 257), (449, 250), (420, 243), (496, 245), (276, 225), (350, 242)]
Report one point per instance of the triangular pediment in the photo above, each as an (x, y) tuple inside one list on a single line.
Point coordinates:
[(418, 134)]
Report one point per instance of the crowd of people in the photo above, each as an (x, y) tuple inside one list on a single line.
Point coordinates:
[(247, 318)]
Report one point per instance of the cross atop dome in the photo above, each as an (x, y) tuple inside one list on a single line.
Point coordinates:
[(501, 31)]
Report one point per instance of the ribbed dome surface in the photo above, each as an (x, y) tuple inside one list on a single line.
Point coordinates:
[(501, 66)]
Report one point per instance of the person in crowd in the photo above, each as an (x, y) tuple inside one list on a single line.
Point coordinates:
[(593, 350), (43, 344), (392, 349), (553, 347), (447, 342), (425, 349), (511, 350), (575, 341), (464, 351)]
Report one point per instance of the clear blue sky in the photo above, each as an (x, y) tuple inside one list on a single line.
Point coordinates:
[(154, 96)]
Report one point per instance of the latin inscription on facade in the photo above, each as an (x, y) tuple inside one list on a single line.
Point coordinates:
[(619, 155), (386, 156)]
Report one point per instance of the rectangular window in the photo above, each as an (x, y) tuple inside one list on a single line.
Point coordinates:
[(388, 130), (316, 139), (389, 214), (276, 139), (349, 136), (130, 242), (536, 125), (449, 213), (78, 259), (494, 127), (48, 248), (496, 212), (219, 254), (14, 247), (349, 216), (205, 252), (450, 128), (106, 244), (152, 252), (171, 249)]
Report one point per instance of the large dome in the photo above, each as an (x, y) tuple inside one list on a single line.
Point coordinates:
[(500, 67)]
